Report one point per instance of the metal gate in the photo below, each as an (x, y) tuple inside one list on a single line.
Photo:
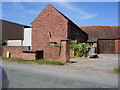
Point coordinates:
[(106, 46)]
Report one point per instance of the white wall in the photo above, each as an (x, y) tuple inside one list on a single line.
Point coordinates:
[(27, 37), (14, 42), (26, 41)]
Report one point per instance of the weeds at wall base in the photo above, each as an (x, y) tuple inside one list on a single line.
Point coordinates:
[(33, 61), (116, 70)]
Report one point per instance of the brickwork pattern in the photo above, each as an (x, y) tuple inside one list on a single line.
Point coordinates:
[(50, 21), (58, 53), (16, 52), (51, 25), (117, 46), (75, 33), (72, 53)]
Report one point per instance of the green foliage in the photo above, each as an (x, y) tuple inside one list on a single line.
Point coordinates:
[(81, 49), (73, 45), (81, 57), (33, 61), (3, 41), (117, 70)]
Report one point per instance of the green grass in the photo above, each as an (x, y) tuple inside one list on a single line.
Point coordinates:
[(80, 57), (33, 61), (117, 70)]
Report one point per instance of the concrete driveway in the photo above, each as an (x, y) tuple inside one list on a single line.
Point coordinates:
[(102, 65)]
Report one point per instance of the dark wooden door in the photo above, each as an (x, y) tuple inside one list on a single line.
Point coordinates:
[(106, 46)]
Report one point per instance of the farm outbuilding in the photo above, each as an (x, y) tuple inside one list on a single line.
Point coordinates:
[(51, 35), (12, 32), (105, 38), (52, 32)]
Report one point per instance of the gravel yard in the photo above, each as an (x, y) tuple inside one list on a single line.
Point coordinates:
[(85, 73), (102, 65)]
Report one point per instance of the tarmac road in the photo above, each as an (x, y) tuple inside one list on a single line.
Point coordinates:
[(35, 76)]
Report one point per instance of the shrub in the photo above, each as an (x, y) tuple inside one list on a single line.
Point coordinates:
[(73, 45), (3, 41), (81, 49)]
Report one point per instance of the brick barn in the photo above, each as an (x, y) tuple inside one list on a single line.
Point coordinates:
[(51, 34), (105, 38)]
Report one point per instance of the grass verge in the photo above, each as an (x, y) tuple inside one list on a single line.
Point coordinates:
[(33, 61), (81, 57), (117, 70)]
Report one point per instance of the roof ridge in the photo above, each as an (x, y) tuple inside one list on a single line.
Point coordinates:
[(14, 22), (59, 12), (56, 10), (99, 26)]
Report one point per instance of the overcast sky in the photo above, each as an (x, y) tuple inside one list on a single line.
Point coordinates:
[(81, 13)]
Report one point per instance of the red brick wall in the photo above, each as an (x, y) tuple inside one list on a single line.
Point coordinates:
[(95, 44), (16, 52), (52, 21), (52, 53), (65, 51), (49, 20), (117, 46), (72, 53), (59, 53), (75, 33)]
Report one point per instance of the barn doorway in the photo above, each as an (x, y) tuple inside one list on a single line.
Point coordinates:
[(39, 54), (106, 46)]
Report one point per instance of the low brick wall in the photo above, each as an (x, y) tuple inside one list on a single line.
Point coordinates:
[(16, 52), (117, 46), (52, 53), (72, 53), (58, 53)]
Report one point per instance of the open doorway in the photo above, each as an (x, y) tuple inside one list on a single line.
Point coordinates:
[(40, 54)]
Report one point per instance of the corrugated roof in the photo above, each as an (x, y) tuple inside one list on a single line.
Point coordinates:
[(25, 26)]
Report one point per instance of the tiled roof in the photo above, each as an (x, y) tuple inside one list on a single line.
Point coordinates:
[(102, 32)]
